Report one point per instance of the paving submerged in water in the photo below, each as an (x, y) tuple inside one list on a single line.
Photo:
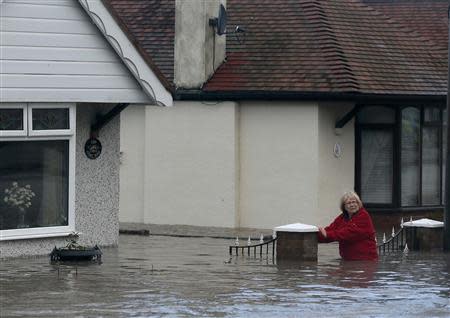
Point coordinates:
[(158, 276)]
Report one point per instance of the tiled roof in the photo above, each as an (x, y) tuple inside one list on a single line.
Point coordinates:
[(312, 46), (152, 24), (341, 46), (428, 18)]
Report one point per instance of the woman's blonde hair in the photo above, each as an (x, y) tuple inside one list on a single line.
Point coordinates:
[(350, 195)]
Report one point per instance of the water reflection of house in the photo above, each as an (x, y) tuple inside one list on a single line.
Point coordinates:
[(314, 98), (58, 73)]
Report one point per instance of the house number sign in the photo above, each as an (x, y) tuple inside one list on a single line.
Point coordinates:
[(92, 148)]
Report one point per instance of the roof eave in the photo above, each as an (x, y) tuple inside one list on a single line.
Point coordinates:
[(357, 97), (154, 84)]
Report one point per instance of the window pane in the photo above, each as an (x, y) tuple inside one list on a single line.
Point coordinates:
[(432, 114), (376, 166), (46, 118), (410, 157), (445, 153), (430, 166), (11, 119), (39, 168), (376, 115)]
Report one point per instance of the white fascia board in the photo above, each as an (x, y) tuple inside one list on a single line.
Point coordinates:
[(130, 56)]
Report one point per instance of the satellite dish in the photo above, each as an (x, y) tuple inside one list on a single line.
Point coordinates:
[(220, 23)]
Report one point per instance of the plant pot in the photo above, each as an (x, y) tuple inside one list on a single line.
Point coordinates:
[(76, 255)]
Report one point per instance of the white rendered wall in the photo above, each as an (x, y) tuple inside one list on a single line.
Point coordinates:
[(336, 174), (279, 164), (132, 146), (189, 169)]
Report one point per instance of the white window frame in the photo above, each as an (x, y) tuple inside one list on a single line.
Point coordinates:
[(53, 231), (51, 132), (15, 133)]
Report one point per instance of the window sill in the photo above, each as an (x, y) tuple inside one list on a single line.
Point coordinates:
[(25, 234), (438, 208)]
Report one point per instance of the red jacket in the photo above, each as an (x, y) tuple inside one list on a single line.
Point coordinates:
[(356, 236)]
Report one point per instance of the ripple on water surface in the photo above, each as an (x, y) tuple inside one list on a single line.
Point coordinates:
[(172, 276)]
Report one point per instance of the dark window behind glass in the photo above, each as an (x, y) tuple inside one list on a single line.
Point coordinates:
[(48, 119), (11, 119), (43, 168), (410, 157), (431, 170), (376, 153), (445, 152), (410, 148), (376, 166)]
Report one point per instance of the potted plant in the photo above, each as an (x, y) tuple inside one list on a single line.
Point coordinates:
[(18, 198), (74, 252)]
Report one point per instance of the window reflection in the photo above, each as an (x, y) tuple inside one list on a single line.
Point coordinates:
[(11, 119), (410, 156), (43, 167), (376, 166)]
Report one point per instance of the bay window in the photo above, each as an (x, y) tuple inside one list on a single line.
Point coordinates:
[(400, 156), (37, 148)]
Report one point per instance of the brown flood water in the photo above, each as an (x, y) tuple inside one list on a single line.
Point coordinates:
[(159, 276)]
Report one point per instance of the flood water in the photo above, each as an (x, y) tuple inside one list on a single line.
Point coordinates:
[(159, 276)]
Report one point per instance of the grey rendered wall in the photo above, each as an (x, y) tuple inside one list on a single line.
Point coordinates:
[(96, 192), (97, 181)]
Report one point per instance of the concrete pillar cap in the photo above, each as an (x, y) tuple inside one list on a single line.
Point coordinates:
[(424, 223), (296, 227)]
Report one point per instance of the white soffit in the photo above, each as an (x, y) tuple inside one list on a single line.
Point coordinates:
[(296, 227), (127, 52)]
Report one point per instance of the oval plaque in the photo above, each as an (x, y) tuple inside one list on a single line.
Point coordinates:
[(337, 150), (93, 148)]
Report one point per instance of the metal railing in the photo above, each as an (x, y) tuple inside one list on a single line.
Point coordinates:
[(249, 248), (397, 241)]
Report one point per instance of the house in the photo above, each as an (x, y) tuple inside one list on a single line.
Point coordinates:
[(304, 100), (67, 69)]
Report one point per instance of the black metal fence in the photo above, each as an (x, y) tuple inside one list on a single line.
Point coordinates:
[(396, 242), (263, 247)]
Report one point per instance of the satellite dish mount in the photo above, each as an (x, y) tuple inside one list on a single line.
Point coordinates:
[(220, 23)]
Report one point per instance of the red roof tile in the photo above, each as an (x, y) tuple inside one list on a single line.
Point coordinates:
[(342, 46), (428, 18), (312, 46), (152, 25)]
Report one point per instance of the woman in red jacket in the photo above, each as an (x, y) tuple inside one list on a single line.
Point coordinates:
[(353, 229)]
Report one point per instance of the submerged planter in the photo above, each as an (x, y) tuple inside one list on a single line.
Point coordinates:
[(74, 252), (78, 254)]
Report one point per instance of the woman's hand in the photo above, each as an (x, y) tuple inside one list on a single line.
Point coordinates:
[(323, 232)]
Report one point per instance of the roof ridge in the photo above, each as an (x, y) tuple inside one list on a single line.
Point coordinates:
[(334, 54)]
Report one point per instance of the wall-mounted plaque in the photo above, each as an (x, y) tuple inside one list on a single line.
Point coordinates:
[(92, 148), (337, 150)]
